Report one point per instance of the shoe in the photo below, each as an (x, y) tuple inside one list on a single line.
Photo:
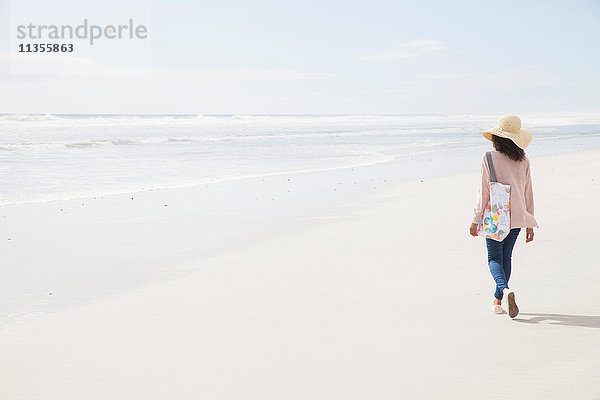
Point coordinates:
[(497, 309), (513, 309)]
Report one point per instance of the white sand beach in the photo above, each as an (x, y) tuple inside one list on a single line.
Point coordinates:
[(384, 297)]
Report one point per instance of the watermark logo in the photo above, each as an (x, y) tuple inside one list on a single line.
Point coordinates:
[(90, 38), (87, 31)]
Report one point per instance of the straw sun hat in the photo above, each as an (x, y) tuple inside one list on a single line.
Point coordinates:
[(509, 126)]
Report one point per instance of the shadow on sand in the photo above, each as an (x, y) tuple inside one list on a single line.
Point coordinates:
[(588, 321)]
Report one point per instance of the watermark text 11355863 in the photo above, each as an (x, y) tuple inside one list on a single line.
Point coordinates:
[(74, 37), (45, 48)]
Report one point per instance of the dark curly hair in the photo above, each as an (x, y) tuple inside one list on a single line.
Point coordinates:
[(508, 148)]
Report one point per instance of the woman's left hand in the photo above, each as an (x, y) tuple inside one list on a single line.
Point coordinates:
[(473, 230)]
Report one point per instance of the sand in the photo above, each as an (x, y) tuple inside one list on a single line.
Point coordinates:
[(386, 298)]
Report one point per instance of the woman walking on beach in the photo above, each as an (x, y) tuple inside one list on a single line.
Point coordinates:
[(511, 167)]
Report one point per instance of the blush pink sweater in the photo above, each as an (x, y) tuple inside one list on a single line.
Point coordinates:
[(517, 174)]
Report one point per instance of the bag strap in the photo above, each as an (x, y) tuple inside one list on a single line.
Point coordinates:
[(491, 165)]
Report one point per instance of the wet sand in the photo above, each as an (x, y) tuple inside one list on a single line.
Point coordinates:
[(388, 297)]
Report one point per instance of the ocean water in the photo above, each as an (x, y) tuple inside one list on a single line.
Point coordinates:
[(54, 157)]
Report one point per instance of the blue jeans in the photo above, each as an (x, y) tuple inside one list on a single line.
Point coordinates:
[(499, 255)]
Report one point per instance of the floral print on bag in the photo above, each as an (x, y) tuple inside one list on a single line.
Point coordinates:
[(495, 223)]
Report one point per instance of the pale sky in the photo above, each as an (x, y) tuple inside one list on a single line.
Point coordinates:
[(340, 57)]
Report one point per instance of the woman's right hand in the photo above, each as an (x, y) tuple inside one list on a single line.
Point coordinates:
[(529, 236)]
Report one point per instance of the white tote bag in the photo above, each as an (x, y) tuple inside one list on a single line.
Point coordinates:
[(495, 223)]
